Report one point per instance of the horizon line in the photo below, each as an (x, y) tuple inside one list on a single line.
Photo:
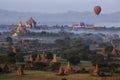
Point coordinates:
[(56, 12)]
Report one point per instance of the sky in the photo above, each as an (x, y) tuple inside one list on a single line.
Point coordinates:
[(59, 6)]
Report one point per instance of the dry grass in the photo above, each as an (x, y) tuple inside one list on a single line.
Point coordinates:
[(41, 75)]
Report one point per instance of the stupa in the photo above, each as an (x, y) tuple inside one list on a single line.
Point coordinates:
[(14, 50), (54, 59), (68, 68), (30, 58), (96, 70), (43, 58), (114, 51), (37, 58), (61, 71), (20, 71)]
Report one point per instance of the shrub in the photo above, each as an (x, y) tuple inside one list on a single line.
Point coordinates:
[(63, 79), (55, 66), (37, 66)]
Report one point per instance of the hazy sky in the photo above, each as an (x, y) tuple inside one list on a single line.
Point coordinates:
[(55, 6)]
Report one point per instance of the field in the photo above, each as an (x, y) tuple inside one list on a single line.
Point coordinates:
[(41, 75), (47, 75)]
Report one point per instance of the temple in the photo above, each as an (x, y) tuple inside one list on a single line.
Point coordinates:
[(30, 23)]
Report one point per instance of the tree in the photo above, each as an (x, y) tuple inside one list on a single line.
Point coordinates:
[(69, 53), (72, 55), (20, 57), (98, 59), (67, 41), (85, 53), (4, 59), (60, 43), (74, 60), (77, 43), (9, 39), (109, 49), (113, 67), (11, 58), (49, 55), (55, 66)]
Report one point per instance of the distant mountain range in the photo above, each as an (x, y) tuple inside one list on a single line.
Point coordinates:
[(70, 17)]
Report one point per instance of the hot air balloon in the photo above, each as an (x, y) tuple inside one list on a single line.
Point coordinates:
[(97, 10)]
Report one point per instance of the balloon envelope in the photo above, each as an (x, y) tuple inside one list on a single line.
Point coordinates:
[(97, 10)]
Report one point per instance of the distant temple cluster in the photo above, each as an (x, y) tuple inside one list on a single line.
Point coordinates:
[(82, 24), (31, 23)]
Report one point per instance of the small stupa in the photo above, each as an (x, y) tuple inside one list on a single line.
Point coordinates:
[(37, 58), (30, 58), (96, 70), (68, 68), (14, 50), (114, 51), (54, 59), (20, 71), (61, 71), (43, 58)]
